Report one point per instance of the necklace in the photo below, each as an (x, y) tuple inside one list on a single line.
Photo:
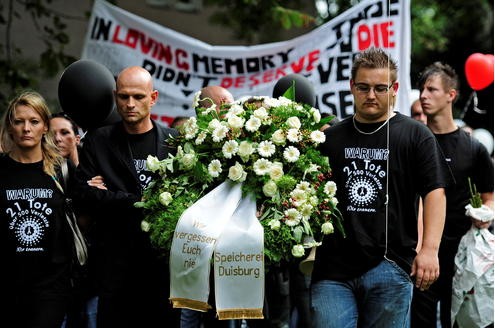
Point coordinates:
[(368, 133)]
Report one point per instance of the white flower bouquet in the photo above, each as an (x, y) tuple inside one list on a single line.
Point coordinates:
[(271, 146)]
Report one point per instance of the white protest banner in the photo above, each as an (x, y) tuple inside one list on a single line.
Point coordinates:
[(181, 65)]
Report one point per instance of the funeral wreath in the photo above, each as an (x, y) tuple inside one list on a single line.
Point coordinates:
[(271, 147)]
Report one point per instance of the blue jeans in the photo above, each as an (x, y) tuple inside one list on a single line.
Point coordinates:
[(380, 297)]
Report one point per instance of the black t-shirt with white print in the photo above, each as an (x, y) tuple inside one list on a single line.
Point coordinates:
[(141, 146), (363, 175), (466, 158), (36, 249)]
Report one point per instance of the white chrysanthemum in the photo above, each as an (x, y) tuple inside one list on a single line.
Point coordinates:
[(245, 149), (262, 166), (299, 197), (276, 171), (253, 124), (291, 154), (270, 188), (214, 123), (284, 101), (165, 198), (327, 228), (196, 99), (293, 122), (237, 173), (236, 109), (293, 135), (153, 163), (266, 148), (330, 188), (274, 224), (334, 201), (304, 186), (313, 200), (219, 133), (261, 113), (306, 210), (297, 250), (271, 102), (292, 217), (200, 138), (215, 168), (316, 114), (230, 148), (190, 128), (317, 137), (278, 137), (236, 122)]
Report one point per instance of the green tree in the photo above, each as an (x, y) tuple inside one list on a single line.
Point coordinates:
[(17, 71), (260, 21)]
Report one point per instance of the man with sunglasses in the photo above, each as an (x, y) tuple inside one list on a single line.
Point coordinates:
[(381, 160)]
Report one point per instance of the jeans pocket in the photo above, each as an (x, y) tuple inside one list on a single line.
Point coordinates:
[(401, 271)]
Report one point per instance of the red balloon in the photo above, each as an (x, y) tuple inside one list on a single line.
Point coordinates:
[(479, 70)]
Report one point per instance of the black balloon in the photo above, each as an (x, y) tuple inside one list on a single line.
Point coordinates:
[(85, 93), (305, 92)]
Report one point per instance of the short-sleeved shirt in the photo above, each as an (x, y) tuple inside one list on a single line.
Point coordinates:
[(367, 167), (35, 240)]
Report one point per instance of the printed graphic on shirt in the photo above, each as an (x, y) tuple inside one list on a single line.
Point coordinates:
[(143, 173), (364, 177), (28, 217)]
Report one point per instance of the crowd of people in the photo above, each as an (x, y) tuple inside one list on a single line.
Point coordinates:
[(402, 185)]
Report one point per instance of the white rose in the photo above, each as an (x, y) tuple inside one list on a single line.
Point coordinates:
[(261, 113), (153, 163), (276, 171), (316, 115), (188, 160), (327, 228), (297, 250), (293, 122), (270, 189), (165, 198), (145, 226), (236, 109), (274, 224), (236, 122), (278, 137), (214, 124), (237, 173), (245, 149)]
